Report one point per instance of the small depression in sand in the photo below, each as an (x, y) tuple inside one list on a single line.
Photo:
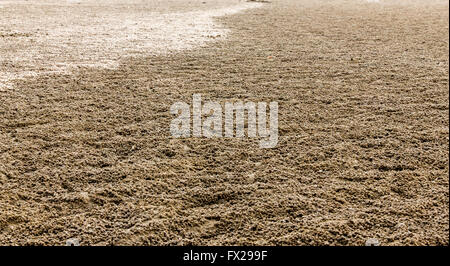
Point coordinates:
[(42, 37)]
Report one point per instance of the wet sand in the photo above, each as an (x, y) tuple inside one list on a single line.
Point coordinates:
[(363, 149)]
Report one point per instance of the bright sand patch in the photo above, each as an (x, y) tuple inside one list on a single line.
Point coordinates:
[(57, 36)]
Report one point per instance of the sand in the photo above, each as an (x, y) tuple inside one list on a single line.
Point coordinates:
[(60, 36), (363, 148)]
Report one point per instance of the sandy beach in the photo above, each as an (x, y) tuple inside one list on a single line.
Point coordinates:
[(86, 152)]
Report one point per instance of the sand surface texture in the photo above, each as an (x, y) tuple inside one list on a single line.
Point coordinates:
[(45, 36), (86, 151)]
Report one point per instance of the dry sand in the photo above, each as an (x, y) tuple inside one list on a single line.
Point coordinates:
[(60, 36), (363, 151)]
